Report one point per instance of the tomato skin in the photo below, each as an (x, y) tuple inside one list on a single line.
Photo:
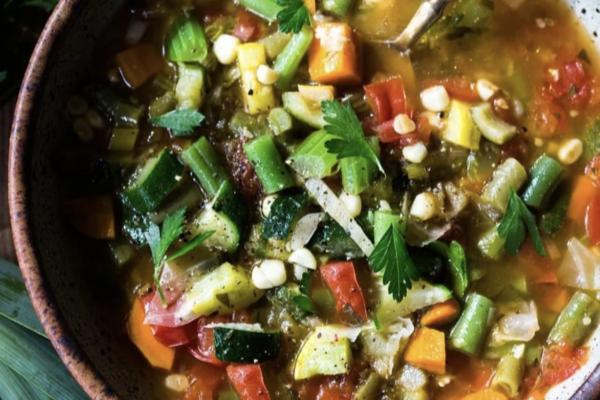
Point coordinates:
[(204, 348), (387, 99), (340, 277), (558, 363), (205, 380), (248, 381), (172, 336), (592, 220)]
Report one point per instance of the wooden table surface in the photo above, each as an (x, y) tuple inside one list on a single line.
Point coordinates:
[(6, 246)]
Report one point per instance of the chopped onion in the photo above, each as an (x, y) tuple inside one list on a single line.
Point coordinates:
[(518, 323), (580, 267), (333, 206), (304, 230)]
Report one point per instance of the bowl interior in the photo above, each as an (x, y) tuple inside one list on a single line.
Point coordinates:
[(79, 272)]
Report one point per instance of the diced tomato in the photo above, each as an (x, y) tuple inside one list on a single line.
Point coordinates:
[(247, 26), (573, 86), (558, 363), (458, 87), (340, 276), (248, 381), (592, 220), (205, 381), (171, 336), (517, 148), (387, 99), (158, 314), (387, 134), (204, 348), (328, 388), (548, 117), (592, 169)]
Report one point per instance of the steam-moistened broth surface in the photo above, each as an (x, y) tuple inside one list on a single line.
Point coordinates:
[(297, 211)]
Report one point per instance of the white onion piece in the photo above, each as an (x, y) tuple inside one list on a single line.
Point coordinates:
[(333, 206), (135, 31), (580, 267), (304, 230), (518, 323)]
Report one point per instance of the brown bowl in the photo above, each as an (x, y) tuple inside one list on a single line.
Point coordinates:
[(67, 277)]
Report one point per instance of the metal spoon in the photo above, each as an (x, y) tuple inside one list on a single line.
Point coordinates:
[(427, 13)]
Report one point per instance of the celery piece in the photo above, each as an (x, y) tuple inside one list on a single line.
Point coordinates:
[(186, 41)]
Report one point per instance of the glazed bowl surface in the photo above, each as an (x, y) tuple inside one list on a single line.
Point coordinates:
[(66, 276)]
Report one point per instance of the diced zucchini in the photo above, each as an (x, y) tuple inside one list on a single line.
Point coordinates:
[(280, 121), (153, 183), (285, 297), (123, 138), (421, 295), (369, 389), (242, 343), (384, 347), (460, 128), (284, 212), (189, 90), (508, 175), (492, 128), (303, 109), (311, 159), (326, 351), (257, 97), (226, 234), (224, 290)]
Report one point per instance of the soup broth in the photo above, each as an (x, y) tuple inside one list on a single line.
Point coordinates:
[(299, 211)]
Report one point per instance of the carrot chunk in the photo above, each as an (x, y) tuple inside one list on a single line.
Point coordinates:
[(427, 350), (139, 63), (583, 193), (157, 354), (441, 313), (333, 55)]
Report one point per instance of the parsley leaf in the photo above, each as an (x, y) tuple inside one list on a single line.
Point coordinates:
[(341, 121), (293, 16), (305, 282), (518, 221), (160, 241), (191, 245), (304, 303), (180, 122), (457, 261), (391, 256)]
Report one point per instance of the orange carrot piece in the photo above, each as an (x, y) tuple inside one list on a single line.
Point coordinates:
[(582, 195), (333, 55), (157, 354), (311, 5), (427, 350), (92, 216), (139, 63), (441, 313), (486, 394)]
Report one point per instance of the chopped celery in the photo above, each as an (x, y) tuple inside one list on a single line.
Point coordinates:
[(280, 121), (311, 159), (268, 9), (186, 41), (189, 90), (289, 59), (508, 175), (491, 244), (275, 43)]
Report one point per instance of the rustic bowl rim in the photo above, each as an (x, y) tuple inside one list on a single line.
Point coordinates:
[(41, 296)]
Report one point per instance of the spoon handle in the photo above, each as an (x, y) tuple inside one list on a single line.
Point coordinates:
[(427, 13)]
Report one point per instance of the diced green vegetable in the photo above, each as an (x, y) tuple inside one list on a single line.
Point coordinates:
[(243, 343), (311, 159), (326, 351), (303, 110), (275, 43), (554, 218), (223, 290), (229, 202), (153, 183), (287, 62), (369, 389), (285, 211), (492, 128), (280, 121), (472, 327), (123, 138), (331, 239), (339, 8), (268, 165), (460, 128), (190, 87), (119, 111), (591, 140), (268, 9), (186, 41), (544, 177), (509, 372), (287, 297), (491, 244), (508, 175), (204, 162), (226, 234), (575, 321), (356, 174)]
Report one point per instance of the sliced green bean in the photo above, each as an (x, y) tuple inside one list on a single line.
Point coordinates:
[(508, 175), (509, 371), (544, 176), (268, 165), (268, 9), (204, 162), (575, 321), (472, 327), (491, 244), (287, 62)]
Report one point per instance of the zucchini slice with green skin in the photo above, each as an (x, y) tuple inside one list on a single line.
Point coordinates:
[(154, 182), (226, 234), (244, 343), (284, 211), (492, 128), (302, 110)]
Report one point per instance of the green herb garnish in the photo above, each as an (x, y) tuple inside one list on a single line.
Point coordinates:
[(160, 240), (517, 221), (350, 141), (191, 245), (391, 256), (293, 16), (179, 122)]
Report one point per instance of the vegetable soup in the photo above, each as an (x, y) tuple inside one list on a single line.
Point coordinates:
[(297, 210)]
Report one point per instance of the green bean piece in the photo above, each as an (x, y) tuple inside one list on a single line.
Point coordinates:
[(204, 162), (508, 175), (544, 176), (470, 330), (311, 159), (186, 41), (338, 8), (268, 165), (267, 9), (491, 244), (280, 121), (575, 321), (509, 371), (355, 174), (287, 62), (553, 220)]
